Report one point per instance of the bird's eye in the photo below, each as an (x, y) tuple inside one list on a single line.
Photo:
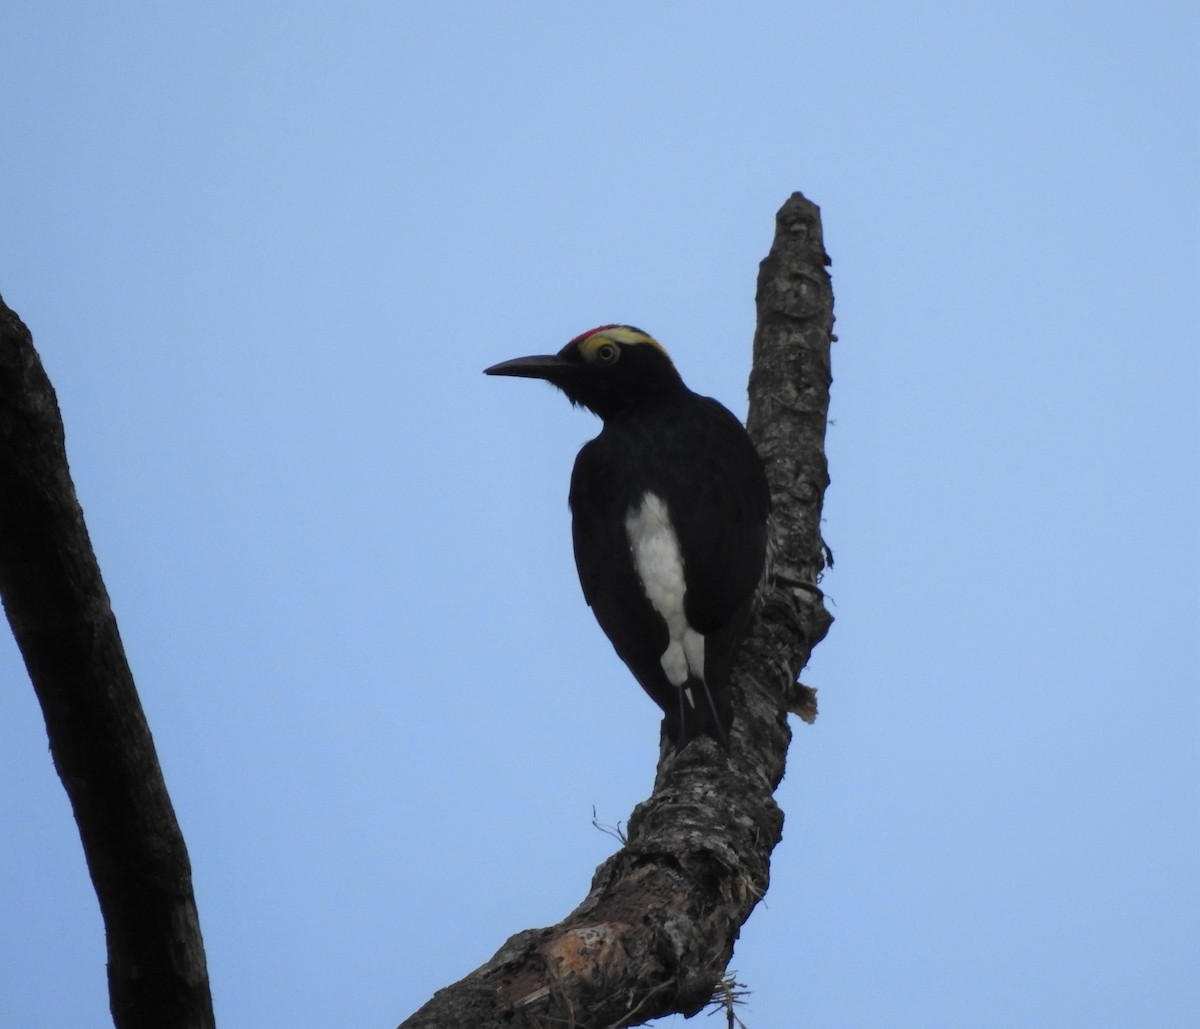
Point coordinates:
[(606, 353)]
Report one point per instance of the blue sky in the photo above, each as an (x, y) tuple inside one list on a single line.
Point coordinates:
[(266, 251)]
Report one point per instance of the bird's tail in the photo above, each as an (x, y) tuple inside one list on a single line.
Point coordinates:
[(704, 710)]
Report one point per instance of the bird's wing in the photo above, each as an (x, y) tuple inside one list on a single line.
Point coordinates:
[(722, 528), (599, 504), (596, 531)]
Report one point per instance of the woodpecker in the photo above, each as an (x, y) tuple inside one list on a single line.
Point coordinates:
[(669, 508)]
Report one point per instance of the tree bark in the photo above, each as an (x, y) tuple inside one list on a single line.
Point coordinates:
[(60, 615), (656, 930)]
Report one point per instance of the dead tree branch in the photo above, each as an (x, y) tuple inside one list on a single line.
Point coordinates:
[(657, 928), (60, 615)]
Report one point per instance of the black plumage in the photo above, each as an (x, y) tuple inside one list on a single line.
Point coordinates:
[(669, 509)]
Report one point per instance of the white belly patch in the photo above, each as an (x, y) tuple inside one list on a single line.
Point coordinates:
[(659, 565)]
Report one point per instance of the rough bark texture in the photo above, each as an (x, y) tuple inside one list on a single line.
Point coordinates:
[(656, 930), (59, 612)]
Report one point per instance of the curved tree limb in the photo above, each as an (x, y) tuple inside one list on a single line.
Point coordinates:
[(60, 615), (656, 930)]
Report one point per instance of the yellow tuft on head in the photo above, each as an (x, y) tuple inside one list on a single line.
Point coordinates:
[(623, 335)]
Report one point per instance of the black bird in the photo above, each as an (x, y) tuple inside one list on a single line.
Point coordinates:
[(669, 510)]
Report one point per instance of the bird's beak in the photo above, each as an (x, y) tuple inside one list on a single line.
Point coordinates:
[(548, 366)]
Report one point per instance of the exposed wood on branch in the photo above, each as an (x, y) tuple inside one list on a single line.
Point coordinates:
[(657, 928)]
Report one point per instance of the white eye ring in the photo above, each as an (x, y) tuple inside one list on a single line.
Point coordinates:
[(606, 353)]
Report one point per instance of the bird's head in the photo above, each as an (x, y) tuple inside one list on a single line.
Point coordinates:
[(606, 370)]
